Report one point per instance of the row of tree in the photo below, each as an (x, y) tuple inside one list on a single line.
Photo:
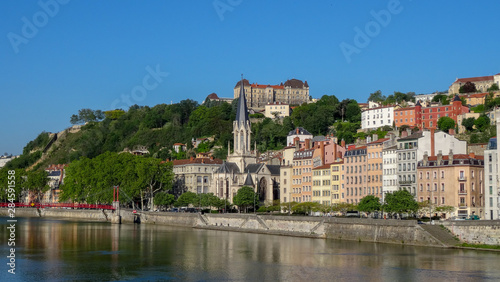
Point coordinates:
[(139, 178)]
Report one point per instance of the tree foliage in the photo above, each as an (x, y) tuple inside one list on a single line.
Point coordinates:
[(245, 197), (400, 201), (482, 123), (87, 115), (445, 123), (92, 180), (468, 87), (369, 204), (468, 123)]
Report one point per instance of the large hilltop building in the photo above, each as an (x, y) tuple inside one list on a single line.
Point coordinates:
[(482, 83), (292, 92)]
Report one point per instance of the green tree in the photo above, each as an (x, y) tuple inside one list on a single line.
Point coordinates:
[(245, 197), (369, 204), (188, 198), (36, 182), (399, 202), (445, 100), (468, 123), (164, 199), (445, 123), (482, 123), (493, 87), (376, 97)]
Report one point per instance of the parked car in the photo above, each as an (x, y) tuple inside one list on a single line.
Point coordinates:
[(473, 217)]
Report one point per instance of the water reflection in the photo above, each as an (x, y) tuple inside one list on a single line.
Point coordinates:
[(68, 250)]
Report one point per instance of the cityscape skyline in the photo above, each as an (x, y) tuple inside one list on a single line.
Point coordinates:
[(62, 56)]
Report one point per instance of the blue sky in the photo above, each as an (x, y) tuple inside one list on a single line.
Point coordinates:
[(95, 54)]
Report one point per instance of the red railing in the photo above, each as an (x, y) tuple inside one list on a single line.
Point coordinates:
[(60, 205)]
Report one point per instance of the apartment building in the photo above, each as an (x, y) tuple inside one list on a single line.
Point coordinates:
[(337, 180), (389, 166), (355, 174), (302, 175), (374, 168), (452, 180), (492, 183), (321, 185)]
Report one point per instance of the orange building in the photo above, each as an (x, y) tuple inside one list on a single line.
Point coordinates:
[(374, 168), (410, 116)]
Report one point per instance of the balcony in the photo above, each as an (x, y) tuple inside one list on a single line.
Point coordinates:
[(462, 178), (462, 206), (462, 192), (406, 182)]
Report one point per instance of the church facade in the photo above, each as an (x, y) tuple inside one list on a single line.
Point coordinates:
[(241, 168)]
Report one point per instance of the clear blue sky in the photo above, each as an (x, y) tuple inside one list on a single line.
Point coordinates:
[(87, 54)]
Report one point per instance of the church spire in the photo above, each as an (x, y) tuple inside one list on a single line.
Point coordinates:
[(242, 110)]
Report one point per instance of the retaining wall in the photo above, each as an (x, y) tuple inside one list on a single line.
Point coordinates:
[(475, 231), (368, 230)]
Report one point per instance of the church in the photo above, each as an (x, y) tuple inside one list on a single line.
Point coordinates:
[(241, 168)]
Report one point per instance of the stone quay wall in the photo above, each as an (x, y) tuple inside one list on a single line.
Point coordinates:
[(475, 231), (366, 230)]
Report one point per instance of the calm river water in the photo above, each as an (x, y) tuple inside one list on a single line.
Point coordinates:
[(50, 249)]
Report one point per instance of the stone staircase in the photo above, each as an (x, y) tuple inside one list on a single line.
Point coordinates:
[(441, 234)]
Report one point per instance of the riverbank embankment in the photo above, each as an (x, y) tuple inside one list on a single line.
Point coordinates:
[(359, 229)]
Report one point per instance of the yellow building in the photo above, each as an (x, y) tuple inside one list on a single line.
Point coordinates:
[(278, 109), (321, 185), (336, 180)]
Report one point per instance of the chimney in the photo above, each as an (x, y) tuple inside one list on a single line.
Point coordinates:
[(296, 140), (308, 144), (471, 155), (297, 130), (450, 157), (451, 131), (375, 137), (212, 158), (191, 158), (426, 158), (404, 134), (432, 141), (322, 150), (368, 139), (335, 157), (439, 157), (342, 143)]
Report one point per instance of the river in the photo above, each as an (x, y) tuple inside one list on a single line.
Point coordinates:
[(53, 249)]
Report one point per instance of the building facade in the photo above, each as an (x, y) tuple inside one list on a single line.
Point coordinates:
[(389, 160), (302, 175), (277, 110), (292, 92), (492, 182), (376, 117), (321, 185), (355, 174), (454, 180), (194, 174), (482, 83), (375, 168)]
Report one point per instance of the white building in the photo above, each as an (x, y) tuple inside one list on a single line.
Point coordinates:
[(376, 117), (491, 173), (425, 97), (298, 132), (389, 159)]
